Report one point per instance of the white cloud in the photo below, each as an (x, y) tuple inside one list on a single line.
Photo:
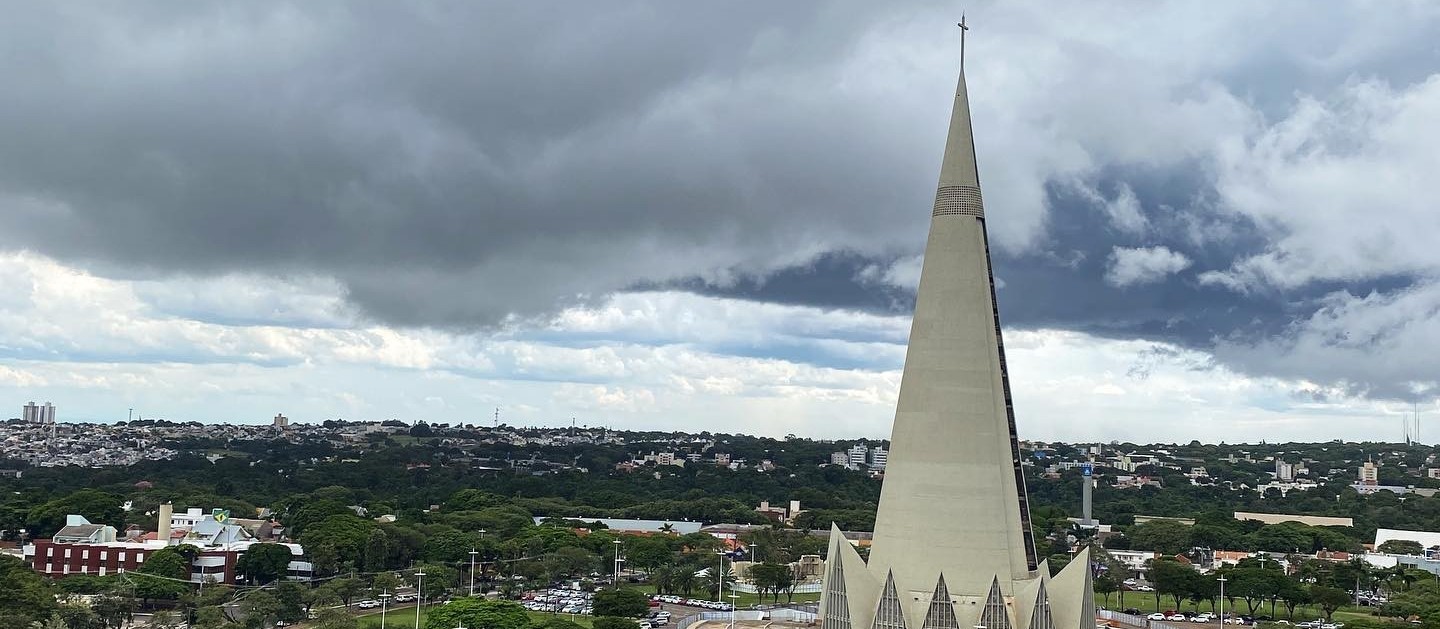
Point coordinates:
[(1143, 265), (1342, 186), (1066, 385)]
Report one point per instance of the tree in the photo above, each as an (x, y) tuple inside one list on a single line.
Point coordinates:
[(611, 622), (56, 621), (210, 617), (477, 613), (621, 603), (348, 588), (78, 616), (113, 611), (335, 619), (714, 578), (261, 609), (770, 577), (1402, 547), (571, 561), (1105, 585), (325, 559), (1168, 537), (554, 622), (1171, 578), (385, 582), (648, 553), (96, 506), (1255, 585), (1329, 599), (291, 598), (164, 619), (172, 567), (1292, 595), (23, 593), (263, 563)]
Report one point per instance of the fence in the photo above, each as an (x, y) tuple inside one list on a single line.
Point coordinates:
[(1129, 619), (791, 614), (749, 588)]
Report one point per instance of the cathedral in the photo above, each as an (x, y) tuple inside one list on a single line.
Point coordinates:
[(953, 547)]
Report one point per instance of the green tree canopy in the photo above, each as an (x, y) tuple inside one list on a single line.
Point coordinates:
[(611, 622), (1329, 599), (1402, 547), (476, 613), (263, 563), (23, 593), (1167, 537), (621, 603)]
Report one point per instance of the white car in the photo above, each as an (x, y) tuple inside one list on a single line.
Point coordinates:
[(1177, 617), (1156, 616), (368, 604)]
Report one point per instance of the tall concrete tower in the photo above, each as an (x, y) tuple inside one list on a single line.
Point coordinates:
[(953, 545)]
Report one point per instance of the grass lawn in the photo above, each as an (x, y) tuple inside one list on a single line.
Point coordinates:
[(1145, 602), (406, 618)]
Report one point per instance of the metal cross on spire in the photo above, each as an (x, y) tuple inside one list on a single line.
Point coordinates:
[(963, 29)]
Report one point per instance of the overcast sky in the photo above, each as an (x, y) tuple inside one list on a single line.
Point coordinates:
[(1209, 220)]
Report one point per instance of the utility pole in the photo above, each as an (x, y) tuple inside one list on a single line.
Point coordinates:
[(384, 601), (1222, 599), (615, 581), (473, 553), (720, 578), (419, 595)]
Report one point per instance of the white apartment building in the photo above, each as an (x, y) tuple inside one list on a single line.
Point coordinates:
[(878, 457), (858, 454)]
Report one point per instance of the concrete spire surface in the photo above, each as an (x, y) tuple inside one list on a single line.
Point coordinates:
[(953, 494), (953, 519)]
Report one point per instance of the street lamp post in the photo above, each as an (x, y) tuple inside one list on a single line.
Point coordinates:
[(473, 553), (419, 595), (615, 580), (720, 578), (384, 602), (733, 596), (1222, 598)]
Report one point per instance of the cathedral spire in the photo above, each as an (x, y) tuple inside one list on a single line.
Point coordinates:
[(952, 544), (954, 455)]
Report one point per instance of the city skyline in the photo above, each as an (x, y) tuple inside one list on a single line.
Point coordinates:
[(284, 209)]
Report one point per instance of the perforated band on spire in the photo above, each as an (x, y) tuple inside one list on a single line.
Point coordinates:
[(959, 201)]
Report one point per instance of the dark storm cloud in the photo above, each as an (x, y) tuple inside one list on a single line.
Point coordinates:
[(461, 164), (450, 163)]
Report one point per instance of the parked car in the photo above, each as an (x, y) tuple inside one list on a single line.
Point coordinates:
[(1156, 616), (1131, 610)]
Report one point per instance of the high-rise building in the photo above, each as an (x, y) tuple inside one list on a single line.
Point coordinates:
[(1284, 471), (952, 545), (857, 453), (280, 421), (34, 414), (879, 456), (1369, 473)]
